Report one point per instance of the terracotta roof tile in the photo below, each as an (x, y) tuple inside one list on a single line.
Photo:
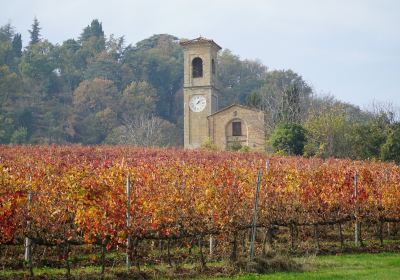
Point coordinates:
[(199, 40)]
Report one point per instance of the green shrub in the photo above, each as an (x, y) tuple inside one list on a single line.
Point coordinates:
[(20, 136), (391, 149), (276, 263), (245, 149), (209, 145), (289, 139)]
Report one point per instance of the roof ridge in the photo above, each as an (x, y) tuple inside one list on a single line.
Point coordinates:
[(235, 104), (200, 39)]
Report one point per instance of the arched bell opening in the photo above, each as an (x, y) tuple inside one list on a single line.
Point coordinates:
[(197, 67)]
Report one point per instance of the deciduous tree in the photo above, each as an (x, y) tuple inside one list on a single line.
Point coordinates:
[(391, 148), (95, 103), (144, 130)]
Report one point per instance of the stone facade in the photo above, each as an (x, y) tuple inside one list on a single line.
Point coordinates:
[(195, 123), (230, 126), (249, 123)]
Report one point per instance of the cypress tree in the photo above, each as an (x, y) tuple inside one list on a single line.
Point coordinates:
[(95, 29)]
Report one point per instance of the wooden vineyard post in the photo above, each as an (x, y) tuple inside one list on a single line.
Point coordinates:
[(316, 236), (128, 224), (341, 236), (211, 242), (268, 229), (169, 253), (202, 259), (381, 232), (254, 223), (211, 245), (28, 241), (357, 226), (233, 255), (103, 260)]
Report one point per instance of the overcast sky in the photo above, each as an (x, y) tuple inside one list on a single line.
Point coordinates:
[(347, 48)]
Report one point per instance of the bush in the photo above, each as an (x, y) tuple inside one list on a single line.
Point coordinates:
[(235, 146), (20, 136), (289, 139), (277, 263), (209, 145), (391, 149), (245, 149)]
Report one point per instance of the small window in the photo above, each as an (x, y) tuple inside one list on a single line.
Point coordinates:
[(236, 129), (213, 66), (197, 67)]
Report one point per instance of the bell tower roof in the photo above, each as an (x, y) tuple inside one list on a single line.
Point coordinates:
[(199, 41)]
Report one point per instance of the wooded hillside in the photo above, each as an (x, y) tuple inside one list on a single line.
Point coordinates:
[(99, 89)]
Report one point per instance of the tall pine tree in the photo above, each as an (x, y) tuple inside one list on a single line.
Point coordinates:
[(6, 33), (17, 45), (35, 32)]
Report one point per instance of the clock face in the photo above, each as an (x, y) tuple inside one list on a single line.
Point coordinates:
[(197, 103)]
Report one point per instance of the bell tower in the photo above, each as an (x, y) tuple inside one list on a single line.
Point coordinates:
[(199, 89)]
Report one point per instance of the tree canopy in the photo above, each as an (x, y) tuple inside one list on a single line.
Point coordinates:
[(99, 89)]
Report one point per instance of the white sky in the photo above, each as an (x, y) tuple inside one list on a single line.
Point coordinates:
[(347, 48)]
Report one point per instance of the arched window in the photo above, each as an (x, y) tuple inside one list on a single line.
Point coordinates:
[(213, 66), (197, 67)]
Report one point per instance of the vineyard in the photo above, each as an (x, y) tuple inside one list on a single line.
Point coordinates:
[(109, 197)]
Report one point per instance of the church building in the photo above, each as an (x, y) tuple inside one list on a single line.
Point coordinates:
[(235, 125)]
